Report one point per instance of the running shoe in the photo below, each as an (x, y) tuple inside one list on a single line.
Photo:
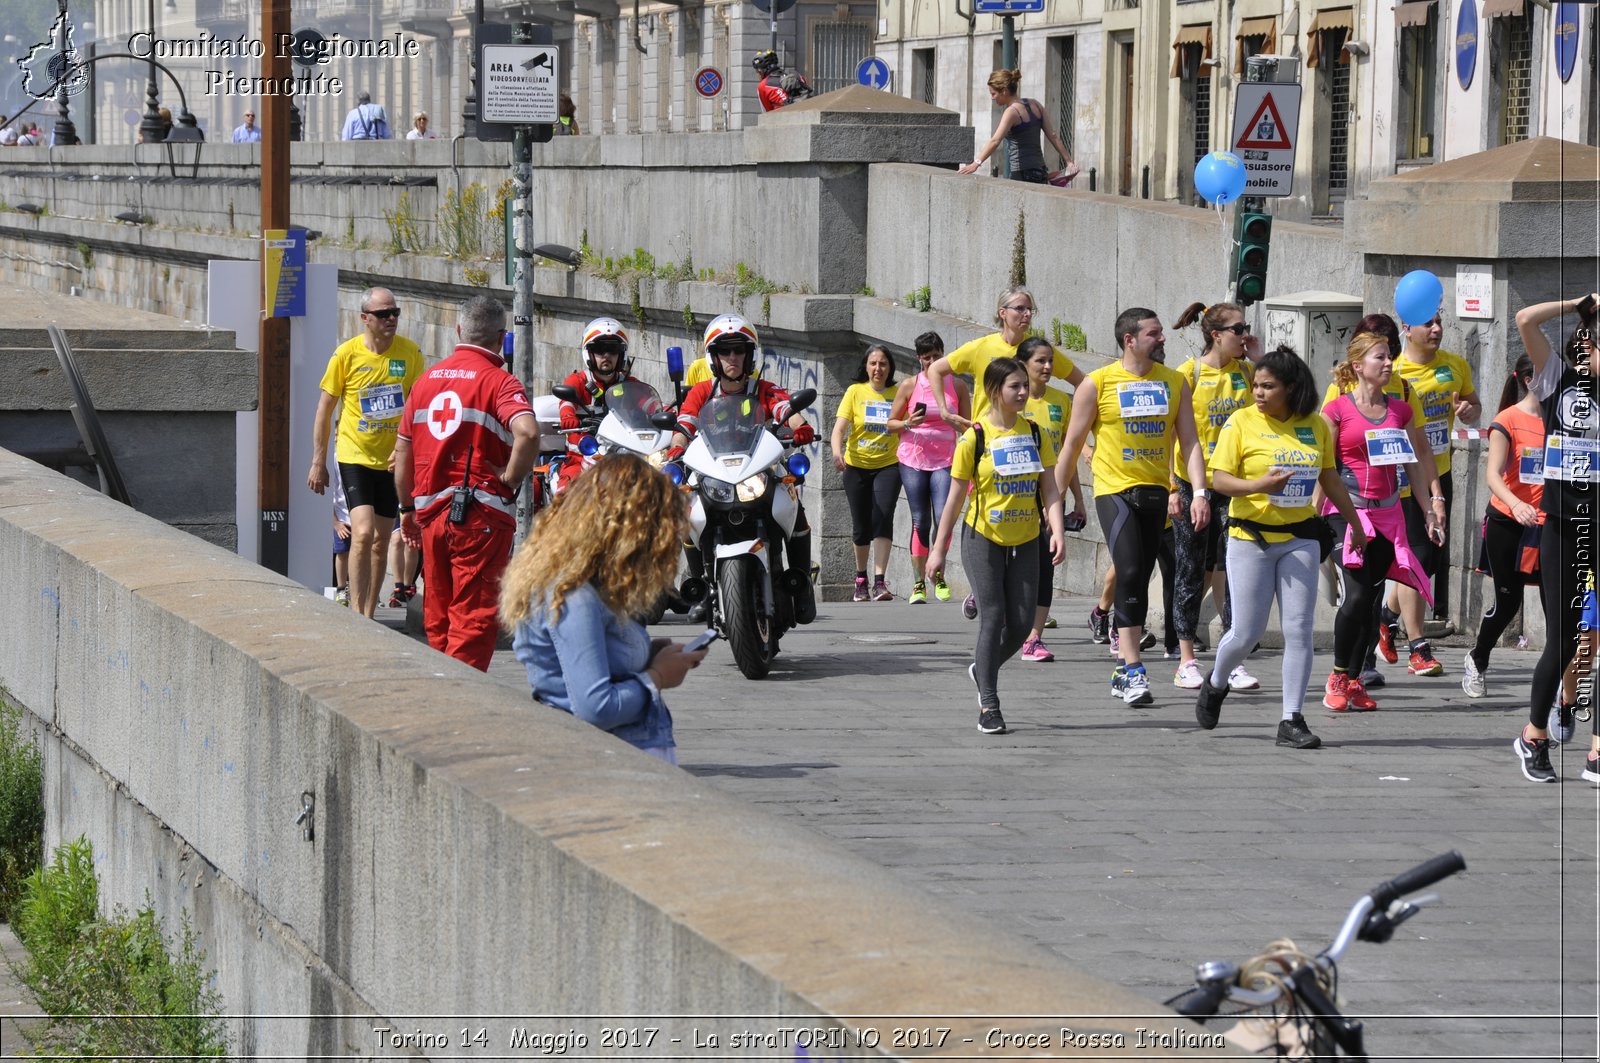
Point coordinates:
[(919, 594), (342, 596), (1373, 679), (397, 599), (1591, 769), (1563, 727), (1099, 626), (1188, 676), (1533, 756), (990, 722), (1147, 640), (880, 591), (1119, 680), (1423, 662), (1294, 732), (1116, 643), (1472, 679), (1336, 695), (861, 594), (1360, 700), (941, 589), (1239, 679), (410, 591), (1208, 705), (1049, 622), (1035, 650), (1387, 633), (1136, 686), (969, 608)]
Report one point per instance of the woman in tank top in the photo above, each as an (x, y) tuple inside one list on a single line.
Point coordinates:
[(1021, 122), (927, 446)]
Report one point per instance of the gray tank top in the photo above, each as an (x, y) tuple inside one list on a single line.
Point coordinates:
[(1023, 146)]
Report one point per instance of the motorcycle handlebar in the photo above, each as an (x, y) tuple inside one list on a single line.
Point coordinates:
[(1420, 877)]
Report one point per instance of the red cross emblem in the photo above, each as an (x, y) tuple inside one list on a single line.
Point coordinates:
[(444, 414)]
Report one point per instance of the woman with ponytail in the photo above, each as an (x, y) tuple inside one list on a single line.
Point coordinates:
[(1021, 122)]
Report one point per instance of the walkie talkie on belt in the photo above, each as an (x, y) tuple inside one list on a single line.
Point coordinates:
[(461, 497)]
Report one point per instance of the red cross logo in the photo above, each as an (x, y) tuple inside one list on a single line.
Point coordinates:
[(444, 414)]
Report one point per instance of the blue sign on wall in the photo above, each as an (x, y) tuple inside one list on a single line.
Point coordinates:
[(1009, 7), (873, 73), (1466, 43), (1566, 36)]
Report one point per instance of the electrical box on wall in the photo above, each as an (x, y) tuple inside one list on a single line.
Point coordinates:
[(1317, 325)]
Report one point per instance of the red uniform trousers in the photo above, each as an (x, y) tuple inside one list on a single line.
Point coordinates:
[(461, 569)]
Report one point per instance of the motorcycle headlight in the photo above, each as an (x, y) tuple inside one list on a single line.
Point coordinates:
[(752, 489), (717, 490)]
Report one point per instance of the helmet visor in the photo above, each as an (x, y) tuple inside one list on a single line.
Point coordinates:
[(608, 345)]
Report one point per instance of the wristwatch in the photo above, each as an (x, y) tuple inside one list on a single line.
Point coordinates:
[(1203, 492), (408, 509)]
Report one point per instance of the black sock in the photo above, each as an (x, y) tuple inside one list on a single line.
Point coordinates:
[(861, 573)]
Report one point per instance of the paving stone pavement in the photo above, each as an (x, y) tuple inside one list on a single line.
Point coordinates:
[(1133, 844)]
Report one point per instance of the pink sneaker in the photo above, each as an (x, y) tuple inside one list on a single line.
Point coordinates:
[(1034, 650)]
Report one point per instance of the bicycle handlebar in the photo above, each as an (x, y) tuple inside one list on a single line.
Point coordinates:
[(1201, 1002), (1422, 876)]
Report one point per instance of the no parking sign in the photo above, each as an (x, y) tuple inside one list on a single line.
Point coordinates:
[(708, 81)]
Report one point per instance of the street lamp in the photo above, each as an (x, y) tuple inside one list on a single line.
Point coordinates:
[(151, 128)]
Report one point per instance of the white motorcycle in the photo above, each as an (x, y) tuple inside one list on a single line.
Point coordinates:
[(746, 502)]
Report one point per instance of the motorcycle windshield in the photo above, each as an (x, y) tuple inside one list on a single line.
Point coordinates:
[(732, 424), (632, 402)]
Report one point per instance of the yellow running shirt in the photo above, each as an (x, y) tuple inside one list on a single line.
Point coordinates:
[(1218, 393), (973, 358), (870, 444), (1051, 412), (372, 389), (1004, 504), (1437, 385), (1251, 444), (1134, 427), (1396, 387)]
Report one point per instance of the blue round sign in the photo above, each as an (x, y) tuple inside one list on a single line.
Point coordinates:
[(1566, 36), (708, 81), (873, 73), (1466, 42)]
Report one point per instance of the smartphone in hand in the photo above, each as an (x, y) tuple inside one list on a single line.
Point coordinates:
[(704, 639), (922, 408)]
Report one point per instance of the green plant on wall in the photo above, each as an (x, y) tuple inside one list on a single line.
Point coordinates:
[(1019, 253), (404, 233), (21, 806), (920, 300), (464, 223), (476, 276)]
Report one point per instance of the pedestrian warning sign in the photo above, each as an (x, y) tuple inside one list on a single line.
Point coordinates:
[(1266, 117)]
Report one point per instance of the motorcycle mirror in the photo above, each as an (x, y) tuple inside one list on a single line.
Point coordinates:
[(665, 420), (566, 393), (802, 399), (675, 363)]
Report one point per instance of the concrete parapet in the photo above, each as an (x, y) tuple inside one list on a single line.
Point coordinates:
[(468, 853)]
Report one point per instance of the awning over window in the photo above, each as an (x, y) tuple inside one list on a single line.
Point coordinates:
[(1414, 13), (1188, 35), (1265, 28), (1340, 18), (1496, 8)]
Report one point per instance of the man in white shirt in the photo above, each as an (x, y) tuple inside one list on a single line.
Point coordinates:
[(366, 121), (249, 133)]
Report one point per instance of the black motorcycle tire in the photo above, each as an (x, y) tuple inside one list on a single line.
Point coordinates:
[(748, 630)]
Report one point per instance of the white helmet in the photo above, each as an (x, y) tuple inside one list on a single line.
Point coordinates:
[(727, 330), (608, 333)]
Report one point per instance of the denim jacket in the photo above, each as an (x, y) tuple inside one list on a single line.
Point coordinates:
[(591, 663)]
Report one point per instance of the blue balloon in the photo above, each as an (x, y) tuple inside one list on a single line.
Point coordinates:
[(1219, 177), (1417, 297)]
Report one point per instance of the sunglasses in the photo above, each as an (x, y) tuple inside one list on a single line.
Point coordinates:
[(1238, 329), (1020, 309), (723, 349), (606, 348), (391, 314)]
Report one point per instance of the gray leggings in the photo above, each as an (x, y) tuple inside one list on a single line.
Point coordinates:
[(1287, 571), (1005, 580)]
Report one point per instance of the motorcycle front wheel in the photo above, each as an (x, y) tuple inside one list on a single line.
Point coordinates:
[(746, 625)]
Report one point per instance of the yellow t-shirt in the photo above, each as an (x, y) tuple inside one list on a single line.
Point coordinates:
[(1437, 385), (1396, 387), (973, 358), (699, 372), (1218, 393), (1004, 504), (1135, 427), (372, 389), (1051, 412), (870, 444), (1251, 444)]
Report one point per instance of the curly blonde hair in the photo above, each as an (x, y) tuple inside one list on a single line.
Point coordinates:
[(620, 526), (1344, 374)]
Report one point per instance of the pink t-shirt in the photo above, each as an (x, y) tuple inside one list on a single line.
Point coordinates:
[(1368, 453), (931, 445)]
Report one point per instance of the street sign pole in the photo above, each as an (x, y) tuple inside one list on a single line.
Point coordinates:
[(1256, 68), (522, 292)]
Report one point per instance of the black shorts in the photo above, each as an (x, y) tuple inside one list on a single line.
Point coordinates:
[(365, 486), (1433, 557)]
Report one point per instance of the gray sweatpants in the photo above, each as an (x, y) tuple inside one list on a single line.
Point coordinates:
[(1005, 580), (1287, 571)]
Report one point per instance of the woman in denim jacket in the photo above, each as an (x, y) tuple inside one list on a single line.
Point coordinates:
[(602, 553)]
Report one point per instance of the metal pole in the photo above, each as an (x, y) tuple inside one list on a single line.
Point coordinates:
[(272, 359), (522, 289), (1008, 60), (151, 129)]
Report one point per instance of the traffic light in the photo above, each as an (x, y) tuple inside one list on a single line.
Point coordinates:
[(1252, 233)]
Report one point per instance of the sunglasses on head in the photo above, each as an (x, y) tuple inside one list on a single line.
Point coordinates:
[(390, 314), (1238, 328)]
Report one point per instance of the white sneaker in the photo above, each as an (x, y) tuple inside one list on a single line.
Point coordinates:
[(1239, 679), (1137, 689), (1472, 680), (1188, 676)]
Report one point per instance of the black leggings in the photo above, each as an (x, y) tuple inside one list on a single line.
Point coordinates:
[(872, 494), (1567, 561), (1197, 553), (1355, 629), (1502, 548), (1131, 522)]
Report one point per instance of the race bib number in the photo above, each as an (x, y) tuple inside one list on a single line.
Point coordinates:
[(1297, 491), (1141, 398), (1438, 436), (877, 415), (1389, 446), (382, 402), (1530, 465), (1571, 459), (1016, 456)]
